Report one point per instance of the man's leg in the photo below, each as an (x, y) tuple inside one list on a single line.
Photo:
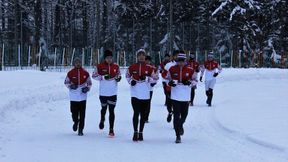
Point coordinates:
[(136, 109), (177, 120), (112, 103), (104, 105), (75, 114), (148, 107), (210, 90), (184, 114), (177, 116), (169, 108), (143, 109), (207, 84), (82, 110), (165, 91), (192, 96)]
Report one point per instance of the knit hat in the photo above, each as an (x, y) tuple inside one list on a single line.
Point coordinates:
[(210, 55), (167, 55), (141, 51), (181, 57), (76, 59), (148, 58), (107, 53), (176, 52)]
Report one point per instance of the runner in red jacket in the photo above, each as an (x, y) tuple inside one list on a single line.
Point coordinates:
[(148, 61), (79, 83), (168, 88), (163, 73), (211, 69), (108, 74), (196, 67), (140, 76), (181, 80)]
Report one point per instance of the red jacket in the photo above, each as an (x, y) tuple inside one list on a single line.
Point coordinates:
[(104, 69), (181, 73), (162, 65), (162, 69), (181, 92), (107, 87), (211, 65), (142, 89), (153, 68), (78, 76), (139, 69), (195, 65)]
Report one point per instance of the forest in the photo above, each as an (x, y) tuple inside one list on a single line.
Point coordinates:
[(243, 33)]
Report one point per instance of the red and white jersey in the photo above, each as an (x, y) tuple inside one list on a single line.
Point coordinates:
[(81, 78), (162, 65), (195, 65), (179, 74), (167, 67), (163, 71), (107, 87), (165, 77), (142, 88), (210, 67), (156, 76)]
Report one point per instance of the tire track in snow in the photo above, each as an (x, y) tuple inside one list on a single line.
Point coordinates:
[(234, 143), (225, 129), (242, 144)]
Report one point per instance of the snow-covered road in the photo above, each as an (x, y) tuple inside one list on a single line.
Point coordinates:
[(248, 122)]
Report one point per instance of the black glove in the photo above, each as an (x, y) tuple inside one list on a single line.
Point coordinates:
[(153, 84), (143, 77), (215, 74), (171, 83), (133, 82), (186, 82), (201, 78), (197, 70), (107, 77), (85, 89), (73, 86), (118, 78)]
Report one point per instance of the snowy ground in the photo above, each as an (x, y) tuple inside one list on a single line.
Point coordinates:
[(248, 122)]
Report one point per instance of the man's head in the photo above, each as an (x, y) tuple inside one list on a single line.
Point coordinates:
[(191, 57), (210, 56), (141, 55), (181, 59), (175, 54), (148, 59), (167, 57), (77, 63), (108, 56)]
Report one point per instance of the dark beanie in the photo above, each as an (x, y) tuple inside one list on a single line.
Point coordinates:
[(175, 53), (107, 53), (148, 58), (167, 55)]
